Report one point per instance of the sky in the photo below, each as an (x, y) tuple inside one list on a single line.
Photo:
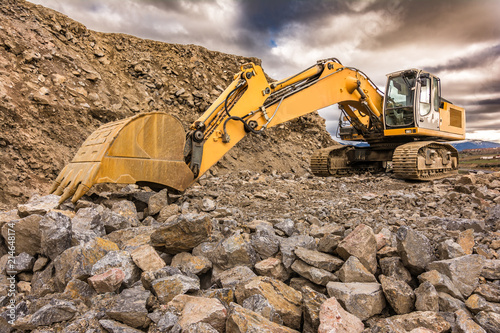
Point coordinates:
[(457, 40)]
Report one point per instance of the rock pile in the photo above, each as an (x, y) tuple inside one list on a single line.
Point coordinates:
[(248, 252), (60, 81)]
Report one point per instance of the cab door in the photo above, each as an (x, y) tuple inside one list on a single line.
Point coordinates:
[(428, 102)]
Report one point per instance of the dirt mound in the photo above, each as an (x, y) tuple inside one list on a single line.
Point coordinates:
[(60, 81)]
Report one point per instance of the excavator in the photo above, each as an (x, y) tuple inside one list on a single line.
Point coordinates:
[(407, 127)]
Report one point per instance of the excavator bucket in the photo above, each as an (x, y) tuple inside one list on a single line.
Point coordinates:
[(145, 148)]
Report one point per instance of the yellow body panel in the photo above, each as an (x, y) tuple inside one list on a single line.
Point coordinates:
[(452, 120), (422, 132)]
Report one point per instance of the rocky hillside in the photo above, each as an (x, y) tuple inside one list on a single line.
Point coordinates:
[(251, 252), (59, 81)]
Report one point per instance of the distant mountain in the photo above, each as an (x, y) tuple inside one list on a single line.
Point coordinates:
[(459, 145), (474, 144)]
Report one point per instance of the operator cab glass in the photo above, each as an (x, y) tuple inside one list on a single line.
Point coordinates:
[(400, 100)]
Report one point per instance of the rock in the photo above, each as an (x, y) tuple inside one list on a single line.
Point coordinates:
[(87, 225), (354, 271), (27, 234), (363, 300), (55, 234), (334, 318), (449, 250), (298, 283), (167, 322), (466, 324), (288, 246), (287, 226), (258, 304), (77, 261), (121, 260), (208, 205), (490, 291), (190, 264), (149, 276), (167, 212), (56, 311), (465, 280), (113, 221), (38, 205), (285, 300), (265, 242), (167, 288), (464, 224), (441, 283), (129, 307), (157, 202), (328, 243), (491, 270), (414, 249), (448, 303), (392, 266), (126, 209), (411, 321), (183, 233), (199, 310), (466, 241), (225, 295), (44, 282), (490, 321), (313, 274), (108, 281), (147, 259), (79, 290), (200, 328), (23, 263), (234, 276), (241, 320), (40, 263), (319, 259), (476, 303), (116, 327), (234, 251), (327, 229), (272, 267), (311, 304), (426, 297), (398, 293), (360, 243)]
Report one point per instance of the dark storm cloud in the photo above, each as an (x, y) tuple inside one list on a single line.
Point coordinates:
[(477, 59), (273, 16)]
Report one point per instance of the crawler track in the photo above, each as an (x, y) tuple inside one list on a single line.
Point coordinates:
[(425, 160)]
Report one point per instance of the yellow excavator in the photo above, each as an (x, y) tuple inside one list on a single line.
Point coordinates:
[(407, 126)]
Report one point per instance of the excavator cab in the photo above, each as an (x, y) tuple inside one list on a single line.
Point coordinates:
[(412, 100)]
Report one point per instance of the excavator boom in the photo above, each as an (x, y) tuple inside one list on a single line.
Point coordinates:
[(153, 148)]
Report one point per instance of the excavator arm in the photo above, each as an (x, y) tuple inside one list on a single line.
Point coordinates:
[(153, 148)]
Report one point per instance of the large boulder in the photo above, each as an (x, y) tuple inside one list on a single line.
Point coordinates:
[(129, 307), (363, 300), (77, 261), (334, 318), (55, 234), (182, 233), (466, 280), (284, 299), (398, 293), (121, 260), (24, 233), (199, 310), (414, 249), (241, 320), (362, 244), (311, 305), (38, 205), (234, 251)]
